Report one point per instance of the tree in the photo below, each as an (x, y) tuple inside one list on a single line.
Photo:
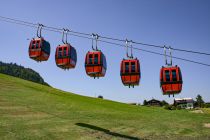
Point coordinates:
[(21, 72), (199, 100), (145, 102), (207, 105)]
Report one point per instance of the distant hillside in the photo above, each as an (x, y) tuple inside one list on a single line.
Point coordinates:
[(19, 71)]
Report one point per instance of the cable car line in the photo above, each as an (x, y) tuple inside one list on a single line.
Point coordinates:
[(73, 33), (103, 37), (189, 51), (157, 53), (18, 23), (16, 20)]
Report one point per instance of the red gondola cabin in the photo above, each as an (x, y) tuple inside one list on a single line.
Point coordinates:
[(66, 56), (130, 72), (39, 49), (95, 64), (171, 80)]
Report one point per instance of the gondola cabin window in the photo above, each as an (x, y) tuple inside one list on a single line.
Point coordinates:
[(90, 58), (37, 45), (74, 55), (133, 68), (104, 61), (59, 52), (167, 75), (174, 77), (65, 52), (180, 75), (126, 67), (96, 59)]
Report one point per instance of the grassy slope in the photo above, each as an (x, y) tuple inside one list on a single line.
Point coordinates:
[(33, 111)]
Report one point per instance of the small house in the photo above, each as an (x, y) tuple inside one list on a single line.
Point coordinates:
[(154, 102), (184, 103)]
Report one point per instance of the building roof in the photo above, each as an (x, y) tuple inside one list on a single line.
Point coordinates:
[(153, 100), (181, 100)]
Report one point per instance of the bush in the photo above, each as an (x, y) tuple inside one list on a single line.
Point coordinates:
[(173, 108), (100, 96), (145, 102), (207, 105), (178, 107), (169, 107)]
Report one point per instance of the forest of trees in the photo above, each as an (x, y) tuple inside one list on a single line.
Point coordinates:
[(21, 72)]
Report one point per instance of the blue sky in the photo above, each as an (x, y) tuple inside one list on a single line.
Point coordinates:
[(181, 24)]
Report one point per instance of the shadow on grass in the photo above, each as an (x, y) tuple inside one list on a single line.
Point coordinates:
[(106, 131)]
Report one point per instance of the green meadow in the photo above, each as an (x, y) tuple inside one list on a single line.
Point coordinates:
[(36, 112)]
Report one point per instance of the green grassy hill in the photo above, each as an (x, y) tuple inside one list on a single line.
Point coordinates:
[(33, 111)]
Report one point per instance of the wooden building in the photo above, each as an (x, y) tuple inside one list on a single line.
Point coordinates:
[(154, 102)]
